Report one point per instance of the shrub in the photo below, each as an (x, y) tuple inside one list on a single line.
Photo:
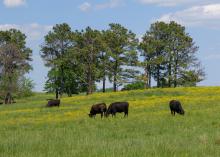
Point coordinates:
[(134, 86)]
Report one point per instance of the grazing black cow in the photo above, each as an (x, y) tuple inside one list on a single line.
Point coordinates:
[(118, 107), (52, 103), (98, 108), (175, 107)]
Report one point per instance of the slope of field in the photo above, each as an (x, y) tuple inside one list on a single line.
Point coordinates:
[(28, 129)]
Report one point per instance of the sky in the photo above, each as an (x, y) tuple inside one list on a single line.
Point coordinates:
[(36, 17)]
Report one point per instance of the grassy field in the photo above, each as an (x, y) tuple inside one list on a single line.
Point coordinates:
[(28, 129)]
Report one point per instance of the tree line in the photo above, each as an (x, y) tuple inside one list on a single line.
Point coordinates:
[(80, 59)]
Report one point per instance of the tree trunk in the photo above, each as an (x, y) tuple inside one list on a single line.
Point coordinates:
[(103, 85), (62, 69), (169, 73), (158, 76), (90, 91), (115, 76), (57, 93), (175, 71), (149, 76), (149, 79), (175, 77), (8, 98), (90, 83), (62, 80), (146, 81), (104, 72), (115, 84), (69, 92)]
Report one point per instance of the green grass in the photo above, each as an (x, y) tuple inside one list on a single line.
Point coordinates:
[(28, 129)]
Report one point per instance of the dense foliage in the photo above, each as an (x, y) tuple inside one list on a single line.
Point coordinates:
[(15, 59), (80, 59), (170, 56), (134, 86)]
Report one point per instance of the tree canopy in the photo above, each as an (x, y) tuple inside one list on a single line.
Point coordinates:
[(15, 59), (170, 56), (78, 60)]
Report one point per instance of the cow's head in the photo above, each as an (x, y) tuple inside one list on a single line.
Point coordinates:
[(107, 113), (182, 112), (90, 115)]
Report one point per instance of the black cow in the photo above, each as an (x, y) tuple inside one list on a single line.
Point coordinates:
[(98, 109), (118, 107), (52, 103), (175, 107)]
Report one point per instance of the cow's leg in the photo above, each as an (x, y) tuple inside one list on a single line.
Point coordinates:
[(173, 112), (126, 114), (102, 113), (113, 114)]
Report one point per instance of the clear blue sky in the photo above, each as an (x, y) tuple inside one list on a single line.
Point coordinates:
[(36, 17)]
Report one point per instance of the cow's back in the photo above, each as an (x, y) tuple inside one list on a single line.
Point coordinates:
[(119, 106), (52, 103), (98, 108), (175, 105)]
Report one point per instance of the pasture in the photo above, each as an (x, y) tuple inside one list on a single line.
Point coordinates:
[(28, 129)]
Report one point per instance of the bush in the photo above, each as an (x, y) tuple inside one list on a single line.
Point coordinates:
[(25, 87), (134, 86)]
